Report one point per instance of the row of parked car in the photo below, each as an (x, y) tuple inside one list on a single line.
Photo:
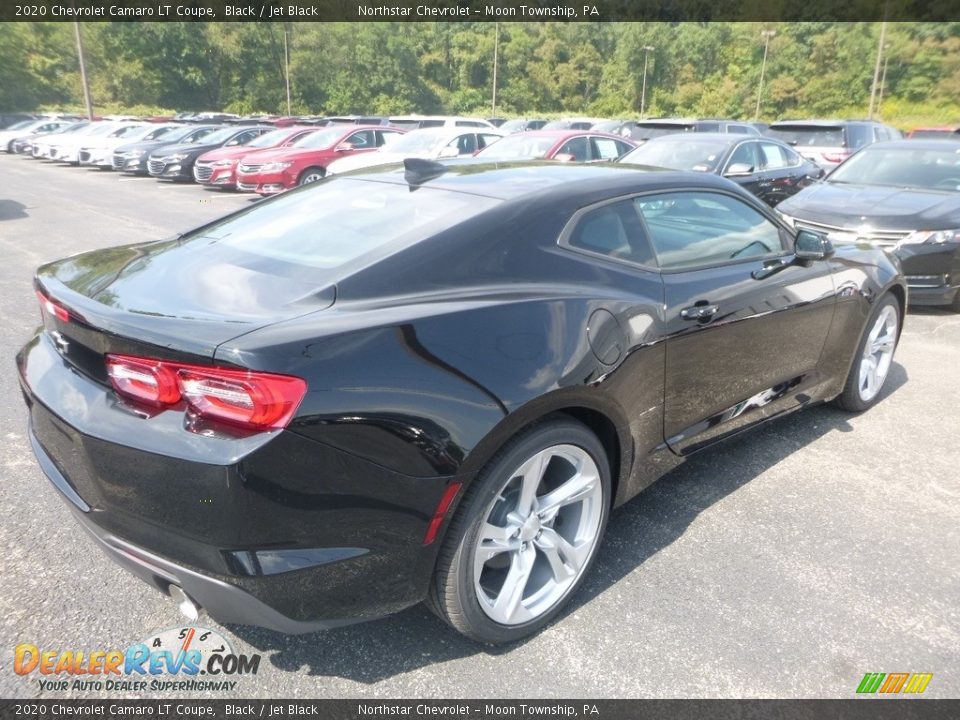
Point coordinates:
[(855, 181)]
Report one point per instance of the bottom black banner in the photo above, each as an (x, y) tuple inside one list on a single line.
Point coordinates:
[(865, 709)]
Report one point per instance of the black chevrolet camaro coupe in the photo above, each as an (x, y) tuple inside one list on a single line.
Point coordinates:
[(430, 382)]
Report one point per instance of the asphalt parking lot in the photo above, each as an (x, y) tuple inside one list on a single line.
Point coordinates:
[(786, 563)]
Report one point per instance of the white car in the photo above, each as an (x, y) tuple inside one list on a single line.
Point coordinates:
[(27, 127), (428, 144), (421, 122), (98, 151), (41, 146), (68, 149)]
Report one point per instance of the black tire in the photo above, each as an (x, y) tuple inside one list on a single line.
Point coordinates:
[(452, 595), (851, 399), (955, 305), (309, 175)]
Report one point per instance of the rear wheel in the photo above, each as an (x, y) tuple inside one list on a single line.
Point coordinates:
[(874, 356), (310, 175), (525, 534), (955, 305)]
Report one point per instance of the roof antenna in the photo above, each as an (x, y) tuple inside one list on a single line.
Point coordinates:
[(418, 171)]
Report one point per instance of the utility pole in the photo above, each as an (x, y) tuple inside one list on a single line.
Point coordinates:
[(83, 70), (766, 34), (876, 68), (286, 63), (496, 51), (647, 49), (883, 80)]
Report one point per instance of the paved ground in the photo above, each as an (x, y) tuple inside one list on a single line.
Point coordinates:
[(786, 564)]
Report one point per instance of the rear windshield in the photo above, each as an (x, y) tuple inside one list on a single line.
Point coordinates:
[(809, 135), (645, 131), (337, 221)]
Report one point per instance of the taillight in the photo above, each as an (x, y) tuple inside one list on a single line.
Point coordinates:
[(148, 381), (836, 157), (253, 400), (49, 306)]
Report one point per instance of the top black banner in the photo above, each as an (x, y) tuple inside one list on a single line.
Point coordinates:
[(478, 10)]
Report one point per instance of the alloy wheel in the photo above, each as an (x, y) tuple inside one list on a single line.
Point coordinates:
[(538, 535), (878, 353)]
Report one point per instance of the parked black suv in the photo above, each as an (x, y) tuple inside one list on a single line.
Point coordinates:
[(829, 142)]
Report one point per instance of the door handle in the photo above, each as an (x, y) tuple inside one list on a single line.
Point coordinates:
[(699, 312)]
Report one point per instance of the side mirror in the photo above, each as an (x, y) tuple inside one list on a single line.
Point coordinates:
[(738, 169), (344, 147), (232, 143), (812, 246), (449, 152), (564, 157)]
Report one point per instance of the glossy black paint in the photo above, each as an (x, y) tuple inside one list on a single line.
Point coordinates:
[(142, 150), (771, 184), (875, 213), (420, 367)]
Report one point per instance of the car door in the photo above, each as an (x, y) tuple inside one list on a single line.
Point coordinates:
[(745, 323), (385, 137), (782, 172), (744, 167), (605, 149), (576, 149)]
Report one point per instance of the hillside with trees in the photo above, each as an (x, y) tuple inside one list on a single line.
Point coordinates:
[(700, 69)]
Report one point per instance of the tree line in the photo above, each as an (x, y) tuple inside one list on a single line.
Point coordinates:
[(814, 69)]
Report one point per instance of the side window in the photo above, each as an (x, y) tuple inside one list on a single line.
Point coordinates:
[(465, 144), (774, 157), (485, 139), (576, 147), (623, 148), (708, 127), (739, 129), (745, 154), (385, 137), (431, 123), (604, 148), (613, 230), (689, 229), (469, 123), (363, 139)]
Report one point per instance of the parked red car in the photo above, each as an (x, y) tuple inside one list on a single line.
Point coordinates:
[(563, 145), (219, 167), (306, 161)]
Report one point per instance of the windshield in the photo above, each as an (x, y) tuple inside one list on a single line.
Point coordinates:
[(645, 131), (935, 135), (419, 141), (902, 167), (809, 135), (321, 138), (340, 220), (678, 153), (20, 125), (557, 125), (137, 132), (518, 147), (511, 126), (220, 136), (610, 126), (269, 139)]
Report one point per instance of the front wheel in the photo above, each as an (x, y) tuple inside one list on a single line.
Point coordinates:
[(524, 535), (311, 175), (874, 357)]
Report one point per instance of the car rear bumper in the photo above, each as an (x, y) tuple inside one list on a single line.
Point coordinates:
[(276, 530)]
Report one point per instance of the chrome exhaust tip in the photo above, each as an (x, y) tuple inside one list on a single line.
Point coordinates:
[(188, 608)]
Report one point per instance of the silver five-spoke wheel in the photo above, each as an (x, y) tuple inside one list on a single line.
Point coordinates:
[(878, 353), (538, 534)]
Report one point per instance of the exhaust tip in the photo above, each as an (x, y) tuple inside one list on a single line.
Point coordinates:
[(188, 608)]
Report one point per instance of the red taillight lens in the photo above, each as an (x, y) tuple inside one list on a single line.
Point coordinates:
[(148, 381), (254, 400), (836, 157), (49, 306)]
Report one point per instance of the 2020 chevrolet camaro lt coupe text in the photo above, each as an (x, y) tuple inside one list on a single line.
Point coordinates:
[(430, 382)]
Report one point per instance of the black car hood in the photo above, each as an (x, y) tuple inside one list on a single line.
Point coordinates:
[(889, 208), (190, 295)]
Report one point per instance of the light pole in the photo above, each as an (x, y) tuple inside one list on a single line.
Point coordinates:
[(647, 49), (286, 62), (496, 52), (766, 34), (876, 68), (83, 70), (883, 79)]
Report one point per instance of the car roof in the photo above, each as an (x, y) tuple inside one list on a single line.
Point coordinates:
[(921, 144), (524, 179)]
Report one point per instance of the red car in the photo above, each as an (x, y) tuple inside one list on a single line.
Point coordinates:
[(563, 145), (306, 161), (219, 167)]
